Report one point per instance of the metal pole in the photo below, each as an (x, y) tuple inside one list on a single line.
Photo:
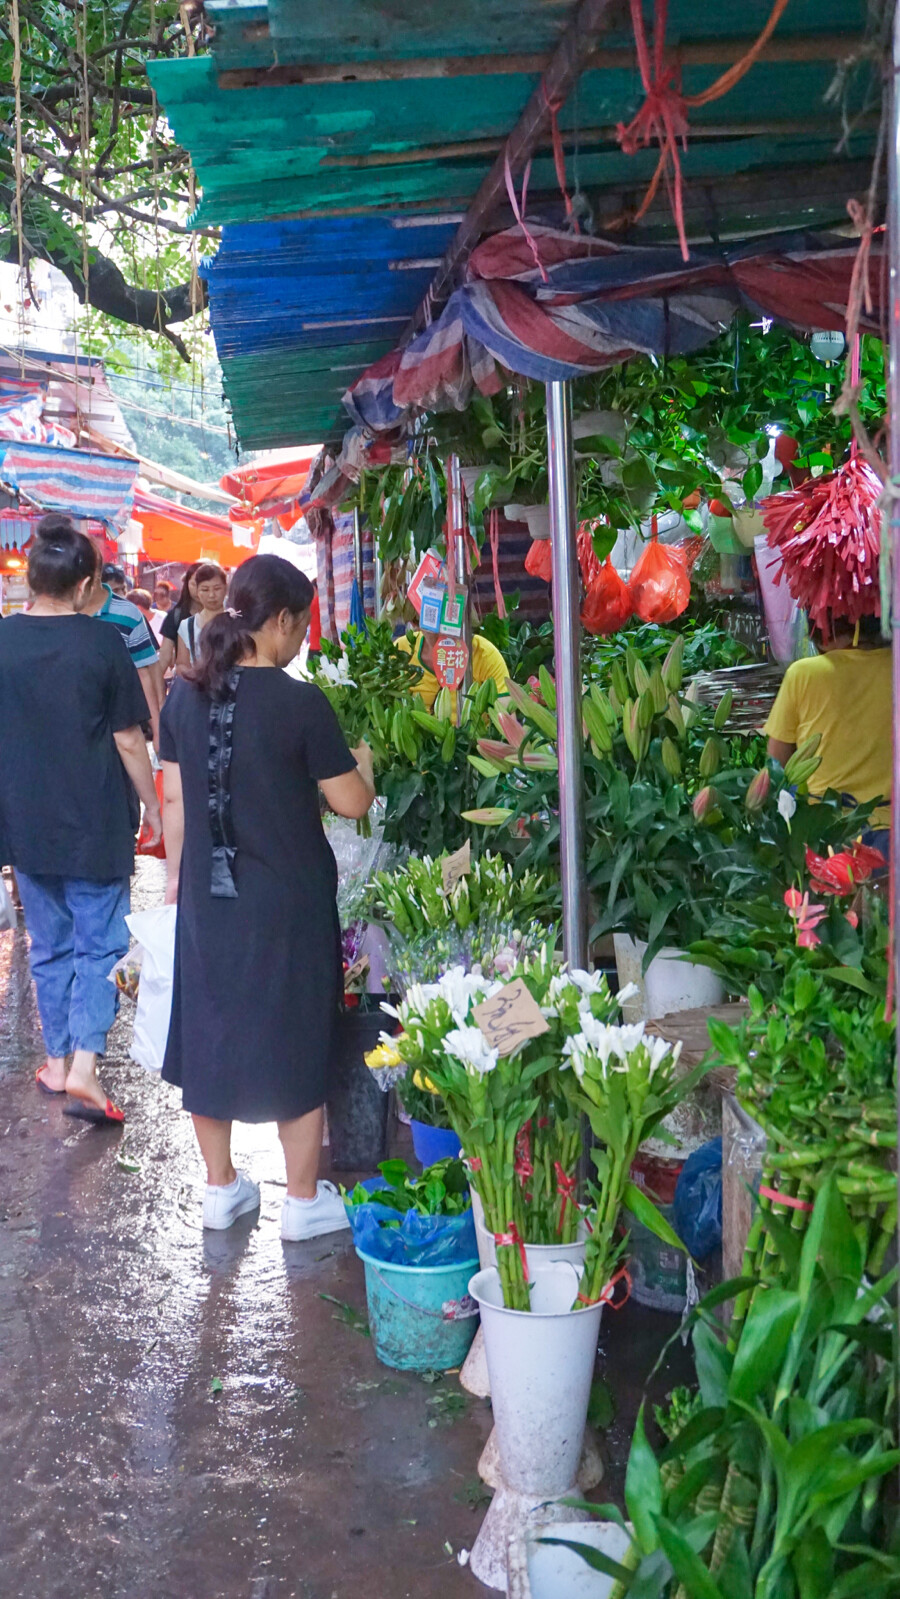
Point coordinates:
[(567, 659), (358, 557), (457, 531), (893, 532), (379, 581)]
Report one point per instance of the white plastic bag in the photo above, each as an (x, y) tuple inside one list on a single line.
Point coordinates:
[(8, 921), (155, 932)]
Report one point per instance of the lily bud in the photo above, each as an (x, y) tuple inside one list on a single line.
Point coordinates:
[(758, 792), (710, 758), (723, 710), (670, 758), (704, 802), (672, 665)]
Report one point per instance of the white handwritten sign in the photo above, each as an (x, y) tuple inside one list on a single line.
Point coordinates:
[(511, 1018), (455, 866)]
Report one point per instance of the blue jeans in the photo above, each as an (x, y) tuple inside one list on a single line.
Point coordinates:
[(77, 929)]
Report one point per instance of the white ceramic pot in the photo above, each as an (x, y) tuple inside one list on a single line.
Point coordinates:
[(547, 1571), (670, 983), (538, 519), (540, 1364)]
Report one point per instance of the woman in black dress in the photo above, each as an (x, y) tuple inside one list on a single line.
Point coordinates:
[(258, 973)]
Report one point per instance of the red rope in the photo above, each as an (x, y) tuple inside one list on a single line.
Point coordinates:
[(566, 1187), (494, 536), (663, 117), (605, 1297), (519, 214), (784, 1199), (513, 1239), (559, 157)]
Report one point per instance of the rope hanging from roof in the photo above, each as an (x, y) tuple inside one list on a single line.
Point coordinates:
[(663, 117)]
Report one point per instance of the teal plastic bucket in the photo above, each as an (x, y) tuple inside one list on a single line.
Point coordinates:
[(422, 1318)]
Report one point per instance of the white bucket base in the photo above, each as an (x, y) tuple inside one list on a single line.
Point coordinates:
[(509, 1517), (590, 1466), (473, 1375), (669, 985), (537, 1572)]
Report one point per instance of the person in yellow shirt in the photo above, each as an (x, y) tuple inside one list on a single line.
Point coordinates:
[(486, 662), (844, 694)]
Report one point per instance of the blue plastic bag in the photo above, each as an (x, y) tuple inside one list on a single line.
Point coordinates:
[(698, 1200), (418, 1241)]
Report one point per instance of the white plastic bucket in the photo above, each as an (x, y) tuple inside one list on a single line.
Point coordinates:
[(547, 1571), (670, 984), (540, 1364), (536, 1254)]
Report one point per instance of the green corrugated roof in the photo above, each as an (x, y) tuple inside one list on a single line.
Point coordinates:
[(356, 147)]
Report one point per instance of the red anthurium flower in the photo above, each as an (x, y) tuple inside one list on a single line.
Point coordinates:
[(806, 918), (842, 873)]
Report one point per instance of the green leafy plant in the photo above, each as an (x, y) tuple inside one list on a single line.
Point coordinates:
[(776, 1485), (440, 1190)]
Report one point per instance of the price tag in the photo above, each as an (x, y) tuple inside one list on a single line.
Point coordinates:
[(453, 617), (430, 569), (511, 1018), (431, 607), (451, 657), (356, 971), (457, 865)]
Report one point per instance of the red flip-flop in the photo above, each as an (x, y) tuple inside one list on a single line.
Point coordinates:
[(85, 1110), (55, 1092)]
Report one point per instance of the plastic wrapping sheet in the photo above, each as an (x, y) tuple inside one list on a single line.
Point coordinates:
[(418, 1241), (743, 1149)]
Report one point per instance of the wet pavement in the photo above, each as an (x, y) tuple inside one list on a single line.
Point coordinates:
[(184, 1416)]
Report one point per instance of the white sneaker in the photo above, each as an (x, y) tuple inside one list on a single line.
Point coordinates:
[(222, 1206), (309, 1218)]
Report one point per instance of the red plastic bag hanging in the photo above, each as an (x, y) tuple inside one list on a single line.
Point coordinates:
[(539, 560), (660, 585), (607, 605), (143, 847)]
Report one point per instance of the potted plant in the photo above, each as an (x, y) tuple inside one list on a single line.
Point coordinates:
[(415, 1238), (541, 1325)]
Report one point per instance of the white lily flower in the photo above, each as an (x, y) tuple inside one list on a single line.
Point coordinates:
[(575, 1052), (659, 1048), (469, 1046), (630, 991), (337, 673), (588, 982), (787, 804)]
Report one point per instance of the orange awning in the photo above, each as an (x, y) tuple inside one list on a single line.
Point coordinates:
[(173, 533), (269, 490)]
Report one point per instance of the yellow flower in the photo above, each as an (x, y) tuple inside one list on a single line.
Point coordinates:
[(381, 1056), (421, 1081)]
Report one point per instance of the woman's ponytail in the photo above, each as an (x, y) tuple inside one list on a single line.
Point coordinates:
[(225, 641)]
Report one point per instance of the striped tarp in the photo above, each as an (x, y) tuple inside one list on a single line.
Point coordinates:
[(77, 481), (552, 306)]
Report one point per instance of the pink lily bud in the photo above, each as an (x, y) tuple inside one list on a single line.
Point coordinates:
[(758, 792), (703, 803)]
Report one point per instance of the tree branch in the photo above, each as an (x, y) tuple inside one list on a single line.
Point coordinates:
[(108, 289)]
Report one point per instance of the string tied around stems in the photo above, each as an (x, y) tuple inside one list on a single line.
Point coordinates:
[(513, 1240), (566, 1187), (523, 1165), (606, 1295)]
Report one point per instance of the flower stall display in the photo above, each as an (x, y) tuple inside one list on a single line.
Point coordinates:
[(458, 911)]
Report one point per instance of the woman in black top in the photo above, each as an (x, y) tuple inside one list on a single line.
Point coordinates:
[(258, 977), (70, 708), (186, 605)]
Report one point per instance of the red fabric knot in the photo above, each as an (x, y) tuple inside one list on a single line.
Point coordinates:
[(566, 1187), (474, 1164), (513, 1240)]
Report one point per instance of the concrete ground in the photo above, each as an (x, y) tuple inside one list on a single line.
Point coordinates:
[(185, 1416)]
